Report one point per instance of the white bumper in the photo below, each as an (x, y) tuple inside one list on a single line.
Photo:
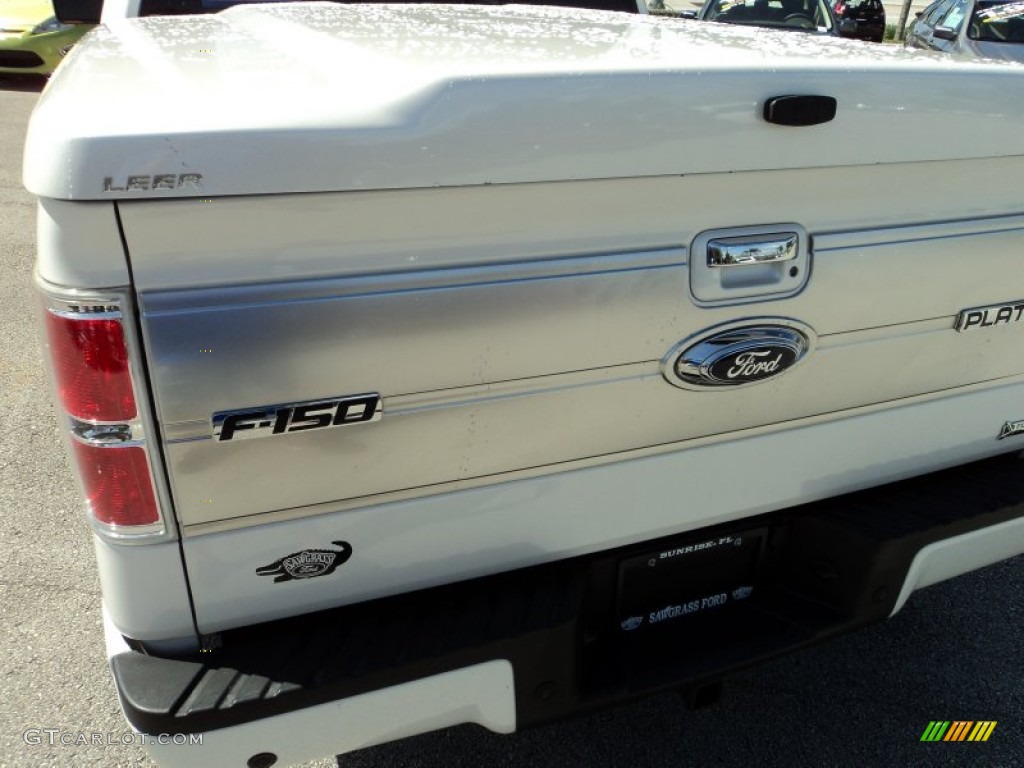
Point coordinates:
[(482, 694), (962, 554)]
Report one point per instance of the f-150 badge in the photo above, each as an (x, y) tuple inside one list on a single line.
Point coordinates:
[(986, 317), (738, 354), (269, 420), (307, 564)]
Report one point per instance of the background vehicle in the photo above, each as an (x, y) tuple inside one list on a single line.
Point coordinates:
[(971, 29), (869, 16), (803, 15), (32, 41)]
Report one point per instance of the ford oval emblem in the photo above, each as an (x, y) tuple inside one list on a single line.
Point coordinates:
[(738, 354)]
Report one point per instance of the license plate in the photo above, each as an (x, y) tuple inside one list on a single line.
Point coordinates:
[(692, 578)]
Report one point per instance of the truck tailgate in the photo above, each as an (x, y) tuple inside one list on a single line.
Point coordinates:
[(499, 366), (433, 329)]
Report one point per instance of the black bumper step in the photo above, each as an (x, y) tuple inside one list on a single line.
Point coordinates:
[(805, 574)]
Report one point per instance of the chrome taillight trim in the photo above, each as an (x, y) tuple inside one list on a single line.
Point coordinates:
[(75, 312), (100, 306), (139, 534), (115, 304), (104, 435)]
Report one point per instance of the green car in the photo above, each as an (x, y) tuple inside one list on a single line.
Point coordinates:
[(32, 41)]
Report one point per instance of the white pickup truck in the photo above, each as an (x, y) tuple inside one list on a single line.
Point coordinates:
[(431, 364)]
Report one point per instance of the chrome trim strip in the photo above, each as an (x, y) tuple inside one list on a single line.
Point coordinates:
[(162, 303), (456, 397), (419, 492), (405, 403), (835, 241)]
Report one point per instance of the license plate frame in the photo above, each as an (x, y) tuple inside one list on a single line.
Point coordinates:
[(689, 579)]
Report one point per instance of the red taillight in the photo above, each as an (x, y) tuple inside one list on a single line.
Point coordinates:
[(92, 373), (90, 363), (118, 484)]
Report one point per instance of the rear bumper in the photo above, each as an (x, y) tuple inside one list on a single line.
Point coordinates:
[(532, 645)]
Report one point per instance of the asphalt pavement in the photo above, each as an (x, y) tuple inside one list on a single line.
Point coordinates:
[(954, 653)]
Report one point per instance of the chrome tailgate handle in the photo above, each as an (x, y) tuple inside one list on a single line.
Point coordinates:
[(753, 250), (741, 265)]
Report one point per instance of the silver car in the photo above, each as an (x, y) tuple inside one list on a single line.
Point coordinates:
[(991, 29)]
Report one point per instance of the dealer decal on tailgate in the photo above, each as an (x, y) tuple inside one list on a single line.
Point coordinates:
[(307, 564)]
